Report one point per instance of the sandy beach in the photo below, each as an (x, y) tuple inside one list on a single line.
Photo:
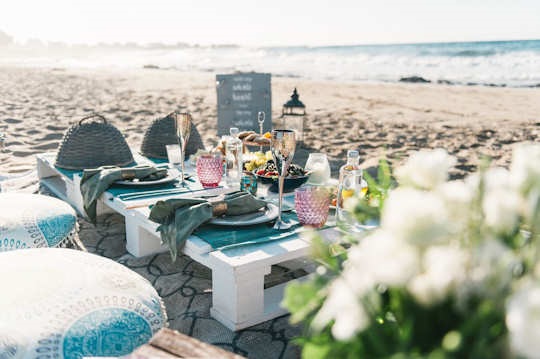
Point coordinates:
[(38, 105)]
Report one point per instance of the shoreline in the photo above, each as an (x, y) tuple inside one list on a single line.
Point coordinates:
[(404, 79), (491, 64)]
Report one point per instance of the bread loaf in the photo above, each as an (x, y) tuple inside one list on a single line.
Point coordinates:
[(242, 135), (251, 137)]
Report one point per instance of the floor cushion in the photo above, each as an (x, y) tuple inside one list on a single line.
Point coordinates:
[(35, 221), (63, 303)]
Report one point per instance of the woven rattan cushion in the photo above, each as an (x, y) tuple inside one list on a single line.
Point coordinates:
[(162, 132), (91, 144)]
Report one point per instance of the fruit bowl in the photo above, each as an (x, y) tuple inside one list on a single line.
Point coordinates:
[(267, 174), (289, 184)]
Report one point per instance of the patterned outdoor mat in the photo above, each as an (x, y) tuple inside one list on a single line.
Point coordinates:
[(186, 288)]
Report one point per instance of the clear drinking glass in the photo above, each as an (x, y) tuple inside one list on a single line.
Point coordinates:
[(312, 204), (283, 147), (210, 170), (183, 129), (174, 154), (319, 168)]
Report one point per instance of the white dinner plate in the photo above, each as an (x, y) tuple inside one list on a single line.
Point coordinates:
[(266, 214), (172, 174)]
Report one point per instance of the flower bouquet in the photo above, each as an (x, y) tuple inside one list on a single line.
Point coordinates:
[(452, 271)]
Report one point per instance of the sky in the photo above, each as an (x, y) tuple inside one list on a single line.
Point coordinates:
[(270, 22)]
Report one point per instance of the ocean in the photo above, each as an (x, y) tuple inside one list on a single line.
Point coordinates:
[(489, 63)]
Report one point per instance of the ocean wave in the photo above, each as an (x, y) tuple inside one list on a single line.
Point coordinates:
[(508, 63), (474, 53)]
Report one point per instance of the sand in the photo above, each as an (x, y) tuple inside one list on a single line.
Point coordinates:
[(38, 105)]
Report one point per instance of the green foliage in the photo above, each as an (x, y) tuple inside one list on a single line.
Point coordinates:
[(462, 322), (404, 329), (371, 205)]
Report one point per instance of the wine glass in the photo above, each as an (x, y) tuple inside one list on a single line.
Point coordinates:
[(283, 146), (183, 129), (260, 120)]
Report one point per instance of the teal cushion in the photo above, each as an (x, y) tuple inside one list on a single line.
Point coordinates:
[(34, 221), (64, 303)]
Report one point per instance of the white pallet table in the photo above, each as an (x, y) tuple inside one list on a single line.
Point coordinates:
[(239, 299), (64, 187)]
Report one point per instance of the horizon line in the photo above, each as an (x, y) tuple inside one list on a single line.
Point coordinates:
[(150, 44)]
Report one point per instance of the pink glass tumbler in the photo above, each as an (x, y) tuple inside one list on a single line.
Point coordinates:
[(312, 204), (210, 170)]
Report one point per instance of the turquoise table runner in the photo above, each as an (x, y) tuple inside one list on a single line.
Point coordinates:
[(221, 237), (119, 190), (138, 160)]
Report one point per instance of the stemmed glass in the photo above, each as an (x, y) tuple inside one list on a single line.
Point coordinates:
[(260, 120), (183, 129), (283, 146)]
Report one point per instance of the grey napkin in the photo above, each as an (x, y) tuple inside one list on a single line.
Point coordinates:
[(96, 181), (179, 217)]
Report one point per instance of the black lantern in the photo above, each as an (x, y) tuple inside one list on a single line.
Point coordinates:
[(293, 115)]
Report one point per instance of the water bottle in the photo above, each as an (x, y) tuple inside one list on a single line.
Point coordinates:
[(233, 158), (350, 184)]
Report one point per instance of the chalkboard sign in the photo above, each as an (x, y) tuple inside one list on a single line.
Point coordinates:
[(240, 97)]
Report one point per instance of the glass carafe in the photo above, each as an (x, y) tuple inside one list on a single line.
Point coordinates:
[(233, 158), (319, 168)]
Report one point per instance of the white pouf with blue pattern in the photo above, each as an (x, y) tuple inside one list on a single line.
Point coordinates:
[(35, 221), (64, 303)]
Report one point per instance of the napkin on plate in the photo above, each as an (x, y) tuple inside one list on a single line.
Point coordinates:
[(96, 181), (179, 217)]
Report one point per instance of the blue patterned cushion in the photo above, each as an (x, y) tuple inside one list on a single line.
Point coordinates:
[(33, 221), (63, 303)]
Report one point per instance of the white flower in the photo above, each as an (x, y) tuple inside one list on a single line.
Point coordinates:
[(346, 308), (523, 321), (380, 259), (492, 270), (416, 216), (501, 210), (458, 198), (525, 167), (444, 270), (501, 204), (425, 169), (531, 208), (497, 179)]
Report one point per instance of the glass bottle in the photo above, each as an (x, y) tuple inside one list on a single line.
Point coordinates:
[(350, 184), (353, 163), (233, 156)]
